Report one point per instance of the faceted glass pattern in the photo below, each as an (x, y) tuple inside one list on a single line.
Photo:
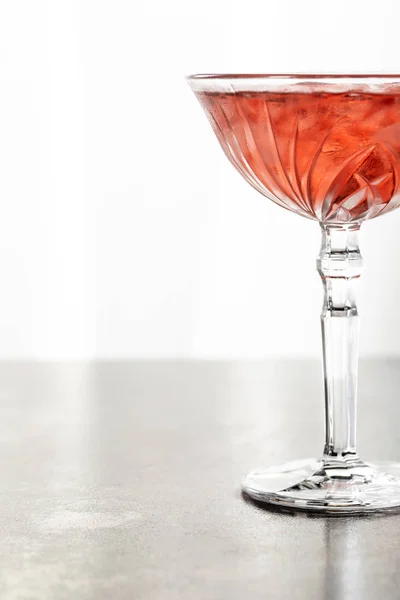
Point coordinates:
[(328, 155)]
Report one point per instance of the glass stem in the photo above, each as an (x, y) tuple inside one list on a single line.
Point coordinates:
[(339, 265)]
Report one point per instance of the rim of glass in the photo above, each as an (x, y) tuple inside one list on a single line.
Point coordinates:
[(333, 82)]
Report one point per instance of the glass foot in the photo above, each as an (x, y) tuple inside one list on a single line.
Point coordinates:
[(329, 485)]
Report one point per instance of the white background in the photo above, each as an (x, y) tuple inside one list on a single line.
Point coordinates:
[(124, 231)]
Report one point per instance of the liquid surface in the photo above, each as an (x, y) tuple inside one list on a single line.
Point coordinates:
[(331, 157)]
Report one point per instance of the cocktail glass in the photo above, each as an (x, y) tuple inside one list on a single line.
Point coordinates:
[(326, 147)]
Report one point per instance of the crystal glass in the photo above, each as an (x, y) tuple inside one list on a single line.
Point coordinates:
[(326, 147)]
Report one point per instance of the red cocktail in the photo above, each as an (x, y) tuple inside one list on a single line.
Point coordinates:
[(328, 148), (329, 156)]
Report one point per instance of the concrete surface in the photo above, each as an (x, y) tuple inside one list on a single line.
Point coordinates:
[(121, 480)]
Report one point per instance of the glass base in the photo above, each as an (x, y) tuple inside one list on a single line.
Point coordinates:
[(329, 485)]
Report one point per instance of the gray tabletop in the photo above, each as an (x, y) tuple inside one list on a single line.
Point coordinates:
[(121, 480)]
